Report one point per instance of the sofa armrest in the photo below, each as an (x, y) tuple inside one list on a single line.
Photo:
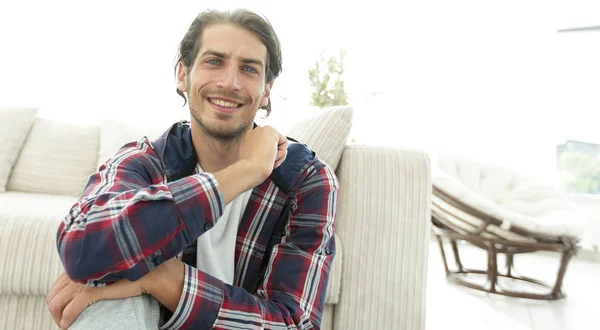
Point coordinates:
[(383, 219)]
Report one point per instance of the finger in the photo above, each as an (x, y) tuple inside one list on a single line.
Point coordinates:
[(281, 150), (280, 157), (59, 284), (74, 308), (282, 141), (58, 304), (88, 296), (60, 278)]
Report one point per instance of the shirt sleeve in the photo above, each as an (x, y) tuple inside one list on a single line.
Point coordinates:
[(292, 293), (128, 221)]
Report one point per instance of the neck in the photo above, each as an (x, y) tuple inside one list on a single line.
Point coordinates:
[(213, 154)]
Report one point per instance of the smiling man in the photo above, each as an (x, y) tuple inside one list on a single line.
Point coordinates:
[(218, 223)]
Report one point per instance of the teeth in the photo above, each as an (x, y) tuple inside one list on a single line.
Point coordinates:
[(224, 103)]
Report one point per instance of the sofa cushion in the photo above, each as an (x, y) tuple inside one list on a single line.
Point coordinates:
[(115, 134), (15, 124), (325, 132), (58, 158), (25, 312), (28, 225)]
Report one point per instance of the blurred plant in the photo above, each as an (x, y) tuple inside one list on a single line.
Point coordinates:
[(579, 172), (326, 80)]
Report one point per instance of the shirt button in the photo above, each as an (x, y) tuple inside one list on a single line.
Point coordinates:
[(158, 260), (327, 251), (208, 226)]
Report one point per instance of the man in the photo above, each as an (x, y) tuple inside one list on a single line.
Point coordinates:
[(154, 224)]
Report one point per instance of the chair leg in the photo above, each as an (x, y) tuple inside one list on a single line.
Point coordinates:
[(564, 261), (439, 239), (493, 247), (457, 257), (492, 267), (509, 263)]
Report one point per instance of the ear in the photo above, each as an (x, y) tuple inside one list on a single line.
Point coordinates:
[(265, 99), (182, 77)]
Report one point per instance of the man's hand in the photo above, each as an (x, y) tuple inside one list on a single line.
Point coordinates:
[(68, 299), (264, 147), (261, 150)]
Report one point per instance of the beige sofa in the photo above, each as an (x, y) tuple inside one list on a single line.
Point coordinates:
[(379, 274)]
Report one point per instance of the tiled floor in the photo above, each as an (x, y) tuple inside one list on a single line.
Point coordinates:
[(454, 307)]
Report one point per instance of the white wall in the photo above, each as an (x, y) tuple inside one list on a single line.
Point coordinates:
[(491, 79)]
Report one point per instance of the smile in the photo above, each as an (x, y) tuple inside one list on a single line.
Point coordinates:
[(223, 103)]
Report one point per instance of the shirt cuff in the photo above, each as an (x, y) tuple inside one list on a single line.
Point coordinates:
[(200, 301)]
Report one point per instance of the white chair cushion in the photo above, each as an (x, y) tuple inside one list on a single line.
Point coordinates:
[(58, 158), (506, 195), (15, 124), (325, 132)]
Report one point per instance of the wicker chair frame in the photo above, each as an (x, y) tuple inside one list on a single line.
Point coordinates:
[(446, 230)]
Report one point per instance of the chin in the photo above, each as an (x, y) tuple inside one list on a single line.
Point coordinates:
[(222, 130)]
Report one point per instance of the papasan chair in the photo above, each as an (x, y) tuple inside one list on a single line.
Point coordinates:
[(503, 212)]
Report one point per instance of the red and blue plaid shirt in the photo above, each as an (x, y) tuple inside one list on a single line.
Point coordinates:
[(149, 203)]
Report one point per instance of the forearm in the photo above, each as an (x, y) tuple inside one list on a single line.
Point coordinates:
[(207, 303), (204, 297), (239, 177), (165, 283), (170, 216), (152, 224)]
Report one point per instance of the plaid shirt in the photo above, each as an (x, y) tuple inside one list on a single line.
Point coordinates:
[(149, 203)]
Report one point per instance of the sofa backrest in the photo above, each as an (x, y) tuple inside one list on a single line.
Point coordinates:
[(56, 158), (114, 134), (59, 158), (325, 132), (15, 124)]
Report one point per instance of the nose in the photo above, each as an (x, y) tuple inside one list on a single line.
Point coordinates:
[(229, 79)]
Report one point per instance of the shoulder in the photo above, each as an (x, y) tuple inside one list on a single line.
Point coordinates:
[(137, 155), (171, 153), (301, 167)]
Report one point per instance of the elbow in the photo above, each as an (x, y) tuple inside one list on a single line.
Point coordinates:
[(92, 266), (81, 272), (81, 264), (89, 269), (70, 247), (91, 256), (74, 265)]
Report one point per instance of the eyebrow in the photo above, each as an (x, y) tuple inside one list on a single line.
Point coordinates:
[(244, 60)]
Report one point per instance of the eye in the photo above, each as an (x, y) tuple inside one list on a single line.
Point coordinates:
[(250, 69), (213, 61)]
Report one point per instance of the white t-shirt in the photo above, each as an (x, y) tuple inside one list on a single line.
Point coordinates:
[(216, 247)]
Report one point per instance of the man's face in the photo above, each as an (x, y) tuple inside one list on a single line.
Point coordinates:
[(226, 83)]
